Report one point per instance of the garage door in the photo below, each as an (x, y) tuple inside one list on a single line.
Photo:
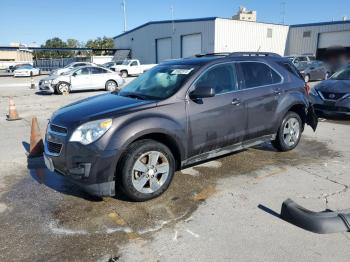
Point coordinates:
[(163, 49), (334, 39), (191, 45)]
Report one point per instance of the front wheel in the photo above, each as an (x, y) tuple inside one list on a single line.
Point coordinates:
[(147, 170), (289, 133), (111, 86), (327, 75), (307, 78), (62, 88)]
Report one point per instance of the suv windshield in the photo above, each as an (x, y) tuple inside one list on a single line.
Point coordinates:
[(343, 74), (159, 83)]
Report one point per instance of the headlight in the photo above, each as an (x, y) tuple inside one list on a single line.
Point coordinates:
[(91, 131), (313, 92)]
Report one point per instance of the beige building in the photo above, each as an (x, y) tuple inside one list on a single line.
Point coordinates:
[(244, 14), (13, 55)]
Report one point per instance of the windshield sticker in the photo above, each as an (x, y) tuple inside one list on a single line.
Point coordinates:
[(181, 71)]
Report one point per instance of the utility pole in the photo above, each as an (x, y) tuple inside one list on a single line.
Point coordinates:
[(172, 17), (124, 12), (283, 11)]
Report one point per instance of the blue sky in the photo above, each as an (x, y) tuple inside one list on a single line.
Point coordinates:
[(29, 21)]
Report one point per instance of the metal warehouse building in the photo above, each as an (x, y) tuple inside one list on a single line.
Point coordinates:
[(154, 42), (157, 41), (320, 39)]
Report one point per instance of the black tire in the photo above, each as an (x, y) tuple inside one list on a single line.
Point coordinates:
[(124, 73), (280, 142), (125, 171), (31, 74), (59, 85), (108, 88)]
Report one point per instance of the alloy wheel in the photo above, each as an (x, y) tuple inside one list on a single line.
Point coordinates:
[(150, 172), (291, 131)]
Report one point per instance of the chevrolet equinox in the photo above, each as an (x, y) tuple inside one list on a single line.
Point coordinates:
[(179, 113)]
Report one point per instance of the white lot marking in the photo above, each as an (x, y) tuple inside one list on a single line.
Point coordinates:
[(211, 164), (175, 236), (3, 207), (65, 231), (193, 172), (117, 229), (192, 233), (190, 171)]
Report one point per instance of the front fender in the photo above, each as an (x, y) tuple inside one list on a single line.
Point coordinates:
[(132, 129)]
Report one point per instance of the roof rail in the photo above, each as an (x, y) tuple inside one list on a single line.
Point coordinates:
[(213, 54), (254, 54)]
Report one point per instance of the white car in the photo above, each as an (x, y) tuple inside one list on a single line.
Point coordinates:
[(70, 67), (131, 67), (26, 70), (82, 78)]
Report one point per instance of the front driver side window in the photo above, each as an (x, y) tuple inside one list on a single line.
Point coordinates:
[(134, 63), (83, 71), (221, 77)]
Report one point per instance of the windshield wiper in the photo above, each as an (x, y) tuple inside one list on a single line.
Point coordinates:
[(133, 95)]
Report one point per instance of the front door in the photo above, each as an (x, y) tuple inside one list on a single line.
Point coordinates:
[(217, 121), (81, 79), (261, 90)]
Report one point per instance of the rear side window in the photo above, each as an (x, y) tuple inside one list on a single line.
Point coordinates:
[(290, 68), (221, 77), (97, 70), (256, 74)]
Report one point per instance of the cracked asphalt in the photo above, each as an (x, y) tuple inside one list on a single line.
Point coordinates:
[(211, 212)]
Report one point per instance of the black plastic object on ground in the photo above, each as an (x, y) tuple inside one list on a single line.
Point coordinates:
[(324, 222)]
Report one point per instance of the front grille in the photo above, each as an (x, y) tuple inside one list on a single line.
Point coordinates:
[(58, 129), (332, 96), (54, 148)]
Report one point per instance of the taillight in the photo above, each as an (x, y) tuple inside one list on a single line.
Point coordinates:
[(307, 88)]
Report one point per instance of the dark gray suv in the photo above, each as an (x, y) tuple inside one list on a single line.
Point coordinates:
[(180, 113)]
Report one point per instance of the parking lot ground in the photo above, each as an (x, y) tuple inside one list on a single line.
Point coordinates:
[(210, 212)]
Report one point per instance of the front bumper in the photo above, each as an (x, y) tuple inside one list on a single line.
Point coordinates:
[(336, 108), (18, 74), (46, 87), (87, 166)]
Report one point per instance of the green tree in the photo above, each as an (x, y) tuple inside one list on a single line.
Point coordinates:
[(55, 42), (99, 43)]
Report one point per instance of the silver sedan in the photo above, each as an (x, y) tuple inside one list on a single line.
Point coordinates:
[(82, 78)]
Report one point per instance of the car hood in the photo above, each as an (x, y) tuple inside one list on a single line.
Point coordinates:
[(50, 77), (97, 107), (334, 86)]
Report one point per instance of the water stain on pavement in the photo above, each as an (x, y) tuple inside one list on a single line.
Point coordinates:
[(51, 219)]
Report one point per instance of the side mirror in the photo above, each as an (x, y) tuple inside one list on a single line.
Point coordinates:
[(74, 74), (202, 92)]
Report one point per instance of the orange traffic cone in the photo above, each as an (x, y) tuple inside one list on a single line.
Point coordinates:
[(36, 142), (13, 115)]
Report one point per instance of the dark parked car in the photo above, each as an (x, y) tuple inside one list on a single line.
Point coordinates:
[(316, 70), (332, 97), (177, 114)]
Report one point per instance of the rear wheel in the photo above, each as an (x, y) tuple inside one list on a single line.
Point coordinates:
[(147, 170), (289, 133), (124, 74), (111, 86)]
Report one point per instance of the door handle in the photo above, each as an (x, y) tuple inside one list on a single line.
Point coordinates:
[(236, 102)]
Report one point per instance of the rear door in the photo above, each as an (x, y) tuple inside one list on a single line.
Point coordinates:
[(217, 121), (98, 77), (262, 87)]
